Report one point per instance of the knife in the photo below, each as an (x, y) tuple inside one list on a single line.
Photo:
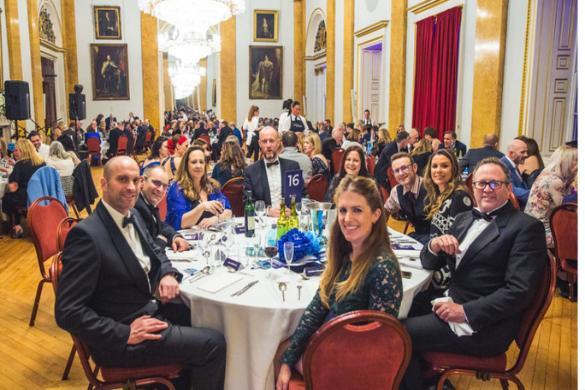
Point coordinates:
[(244, 289)]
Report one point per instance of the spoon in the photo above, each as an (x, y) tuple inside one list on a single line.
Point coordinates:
[(204, 272), (299, 287), (282, 288)]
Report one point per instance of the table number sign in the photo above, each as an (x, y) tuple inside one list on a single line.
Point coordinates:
[(293, 185)]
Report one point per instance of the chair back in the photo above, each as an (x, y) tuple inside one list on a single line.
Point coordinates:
[(63, 230), (371, 164), (43, 218), (122, 145), (148, 138), (563, 224), (317, 187), (391, 179), (363, 349), (93, 145), (536, 310), (512, 198), (233, 189), (205, 138), (337, 159), (383, 193)]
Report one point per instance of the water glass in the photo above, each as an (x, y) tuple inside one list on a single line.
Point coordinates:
[(260, 208)]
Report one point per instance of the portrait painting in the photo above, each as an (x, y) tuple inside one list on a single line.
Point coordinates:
[(107, 22), (265, 26), (110, 71), (265, 72)]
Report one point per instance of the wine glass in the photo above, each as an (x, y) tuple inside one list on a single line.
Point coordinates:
[(260, 207), (289, 254), (271, 252)]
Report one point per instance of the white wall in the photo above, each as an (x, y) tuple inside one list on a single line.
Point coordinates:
[(368, 12), (244, 38), (5, 59), (339, 61), (131, 35), (513, 67), (213, 73), (25, 58)]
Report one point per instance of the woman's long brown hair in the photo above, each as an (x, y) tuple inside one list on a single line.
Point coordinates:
[(186, 181), (435, 198)]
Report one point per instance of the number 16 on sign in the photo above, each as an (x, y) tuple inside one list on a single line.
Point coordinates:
[(293, 185)]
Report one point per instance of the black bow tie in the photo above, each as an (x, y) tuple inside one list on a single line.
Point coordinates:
[(479, 215), (270, 164), (127, 220)]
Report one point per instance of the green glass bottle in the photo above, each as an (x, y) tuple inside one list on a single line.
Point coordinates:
[(293, 220), (282, 222), (249, 215)]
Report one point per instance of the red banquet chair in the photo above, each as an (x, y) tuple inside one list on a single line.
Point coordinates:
[(391, 179), (93, 150), (43, 218), (162, 207), (114, 377), (563, 224), (371, 164), (122, 145), (337, 159), (233, 189), (364, 349), (486, 368), (317, 187)]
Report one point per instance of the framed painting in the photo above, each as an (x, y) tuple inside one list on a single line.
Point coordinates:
[(265, 25), (265, 72), (107, 22), (110, 71)]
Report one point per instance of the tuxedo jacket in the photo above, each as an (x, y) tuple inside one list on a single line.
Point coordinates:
[(115, 134), (473, 156), (256, 180), (383, 164), (519, 186), (161, 232), (496, 278), (103, 288), (459, 149)]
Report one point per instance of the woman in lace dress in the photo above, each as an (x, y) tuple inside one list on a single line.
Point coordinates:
[(361, 272)]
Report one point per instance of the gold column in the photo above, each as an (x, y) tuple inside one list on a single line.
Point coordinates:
[(397, 62), (227, 70), (330, 75), (13, 35), (299, 50), (35, 60), (203, 85), (70, 46), (150, 84), (488, 69), (348, 42), (167, 86)]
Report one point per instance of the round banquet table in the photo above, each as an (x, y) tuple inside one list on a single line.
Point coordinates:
[(256, 322)]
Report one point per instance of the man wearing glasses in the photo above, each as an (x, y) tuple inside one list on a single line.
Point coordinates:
[(154, 187), (496, 255), (407, 199)]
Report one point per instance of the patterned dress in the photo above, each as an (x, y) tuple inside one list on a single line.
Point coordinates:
[(546, 193), (319, 167), (381, 290)]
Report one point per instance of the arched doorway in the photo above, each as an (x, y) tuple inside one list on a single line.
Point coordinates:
[(315, 61)]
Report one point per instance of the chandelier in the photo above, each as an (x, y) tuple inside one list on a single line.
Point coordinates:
[(184, 77), (193, 46)]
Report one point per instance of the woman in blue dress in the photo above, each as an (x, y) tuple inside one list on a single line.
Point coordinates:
[(194, 199)]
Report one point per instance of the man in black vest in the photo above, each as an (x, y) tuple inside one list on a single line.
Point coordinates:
[(406, 201), (295, 121), (155, 183)]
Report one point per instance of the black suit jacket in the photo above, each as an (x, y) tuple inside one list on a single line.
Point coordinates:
[(496, 278), (115, 133), (161, 232), (460, 148), (103, 287), (256, 180), (473, 156), (383, 164)]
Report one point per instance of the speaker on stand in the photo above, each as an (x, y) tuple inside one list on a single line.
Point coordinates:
[(16, 101)]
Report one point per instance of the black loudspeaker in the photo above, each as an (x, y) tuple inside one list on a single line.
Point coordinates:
[(76, 106), (17, 99)]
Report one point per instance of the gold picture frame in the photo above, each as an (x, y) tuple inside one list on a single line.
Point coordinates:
[(265, 74), (110, 71), (108, 24), (265, 25)]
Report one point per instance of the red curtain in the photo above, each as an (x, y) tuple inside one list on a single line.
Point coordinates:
[(435, 84)]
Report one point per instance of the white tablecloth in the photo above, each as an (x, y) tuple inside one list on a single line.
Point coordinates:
[(256, 322)]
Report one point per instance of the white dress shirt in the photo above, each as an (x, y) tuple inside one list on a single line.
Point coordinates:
[(132, 238), (274, 183)]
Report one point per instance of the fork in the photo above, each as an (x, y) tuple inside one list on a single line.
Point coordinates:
[(299, 287), (282, 288)]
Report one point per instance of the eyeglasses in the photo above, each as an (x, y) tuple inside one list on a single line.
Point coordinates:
[(493, 184), (159, 184), (402, 168)]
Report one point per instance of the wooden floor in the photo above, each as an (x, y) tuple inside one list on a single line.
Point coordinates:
[(34, 357)]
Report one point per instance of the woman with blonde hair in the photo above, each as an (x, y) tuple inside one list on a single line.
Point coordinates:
[(28, 160), (312, 148), (231, 162), (252, 132), (361, 272), (383, 140), (194, 198), (551, 186)]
